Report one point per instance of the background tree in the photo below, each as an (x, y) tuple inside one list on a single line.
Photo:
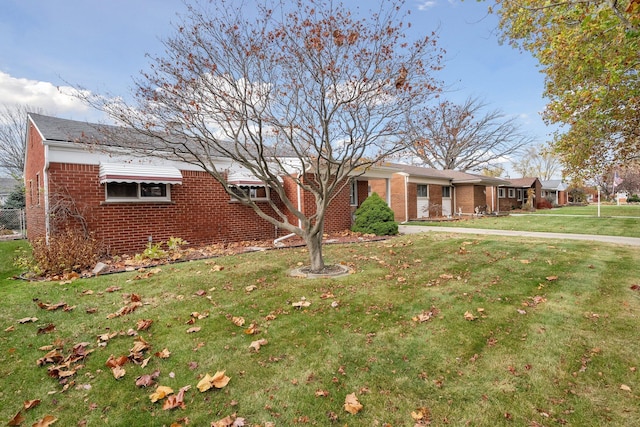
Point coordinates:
[(307, 79), (13, 134), (588, 51), (464, 136), (494, 171), (536, 161)]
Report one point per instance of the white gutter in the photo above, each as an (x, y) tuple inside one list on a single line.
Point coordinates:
[(406, 198)]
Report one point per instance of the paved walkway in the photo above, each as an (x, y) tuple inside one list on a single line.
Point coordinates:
[(413, 229)]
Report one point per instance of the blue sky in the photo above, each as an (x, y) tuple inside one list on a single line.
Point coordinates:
[(101, 45)]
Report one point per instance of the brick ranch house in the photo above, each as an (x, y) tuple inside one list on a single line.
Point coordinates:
[(128, 201), (514, 194), (415, 192)]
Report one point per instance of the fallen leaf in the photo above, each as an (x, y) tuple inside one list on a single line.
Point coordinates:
[(10, 329), (552, 278), (143, 324), (46, 421), (164, 354), (525, 261), (176, 401), (28, 319), (160, 393), (29, 404), (147, 380), (113, 289), (252, 329), (421, 414), (218, 380), (46, 329), (625, 387), (250, 288), (118, 372), (301, 303), (321, 393), (238, 321), (194, 329), (17, 420), (257, 344), (351, 404), (469, 316)]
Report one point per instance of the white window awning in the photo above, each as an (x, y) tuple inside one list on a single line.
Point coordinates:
[(244, 178), (126, 172)]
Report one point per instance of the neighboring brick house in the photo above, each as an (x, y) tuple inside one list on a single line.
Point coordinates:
[(418, 192), (128, 201), (515, 193)]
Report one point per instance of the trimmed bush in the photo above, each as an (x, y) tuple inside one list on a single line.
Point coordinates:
[(375, 217)]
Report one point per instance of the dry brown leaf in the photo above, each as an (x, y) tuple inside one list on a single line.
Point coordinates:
[(321, 393), (147, 380), (552, 278), (17, 420), (160, 393), (237, 320), (469, 316), (351, 404), (176, 401), (10, 329), (46, 421), (164, 354), (29, 404), (143, 324), (625, 387), (113, 289), (525, 261), (118, 372), (28, 319), (257, 344), (252, 329), (218, 380), (194, 329)]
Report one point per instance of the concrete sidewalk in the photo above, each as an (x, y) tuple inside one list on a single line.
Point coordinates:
[(414, 229)]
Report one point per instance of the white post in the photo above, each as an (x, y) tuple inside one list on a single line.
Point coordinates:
[(598, 201)]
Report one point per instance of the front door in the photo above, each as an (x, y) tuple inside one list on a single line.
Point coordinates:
[(446, 201)]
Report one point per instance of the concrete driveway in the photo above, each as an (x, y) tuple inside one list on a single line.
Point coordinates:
[(414, 229)]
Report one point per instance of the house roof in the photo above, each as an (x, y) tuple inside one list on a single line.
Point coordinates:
[(455, 177), (54, 129), (554, 184), (521, 182)]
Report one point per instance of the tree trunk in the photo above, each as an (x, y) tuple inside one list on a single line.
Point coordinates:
[(314, 245)]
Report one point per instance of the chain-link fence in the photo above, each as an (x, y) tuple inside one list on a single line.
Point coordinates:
[(12, 224)]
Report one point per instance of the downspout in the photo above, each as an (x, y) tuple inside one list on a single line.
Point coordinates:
[(45, 193), (406, 198), (277, 242)]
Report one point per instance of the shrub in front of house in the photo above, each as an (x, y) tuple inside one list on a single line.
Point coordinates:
[(375, 217), (633, 199), (544, 204), (66, 251)]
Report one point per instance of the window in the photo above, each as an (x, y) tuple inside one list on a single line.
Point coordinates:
[(512, 193), (501, 193), (423, 190), (253, 191), (520, 193), (353, 195), (136, 191), (38, 187), (446, 191)]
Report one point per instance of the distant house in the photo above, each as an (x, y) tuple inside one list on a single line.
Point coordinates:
[(515, 194), (415, 192), (555, 191), (76, 176)]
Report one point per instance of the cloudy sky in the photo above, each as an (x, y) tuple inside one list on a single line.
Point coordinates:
[(49, 45)]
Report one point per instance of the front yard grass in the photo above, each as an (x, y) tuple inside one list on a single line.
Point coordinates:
[(486, 331), (614, 221)]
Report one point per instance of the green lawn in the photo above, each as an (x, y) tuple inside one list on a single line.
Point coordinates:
[(614, 221), (515, 332)]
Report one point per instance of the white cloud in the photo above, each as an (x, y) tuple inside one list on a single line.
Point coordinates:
[(52, 99), (425, 5)]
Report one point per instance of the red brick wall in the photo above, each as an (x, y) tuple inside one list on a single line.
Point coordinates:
[(35, 206), (435, 200), (363, 191), (412, 200), (200, 211)]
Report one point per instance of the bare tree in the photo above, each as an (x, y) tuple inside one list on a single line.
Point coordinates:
[(308, 89), (538, 162), (13, 133), (464, 137)]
